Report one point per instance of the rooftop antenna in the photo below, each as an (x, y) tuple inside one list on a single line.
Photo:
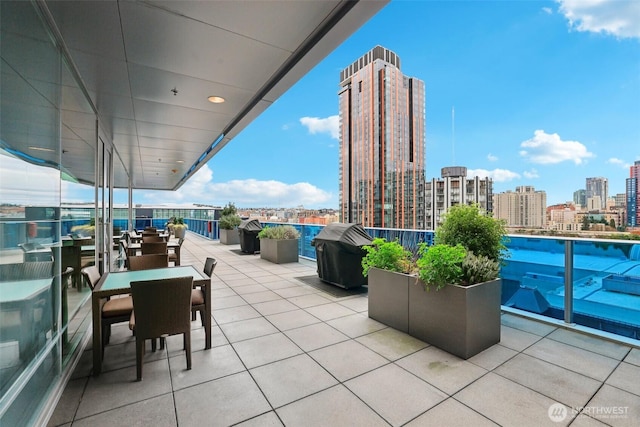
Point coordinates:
[(453, 135)]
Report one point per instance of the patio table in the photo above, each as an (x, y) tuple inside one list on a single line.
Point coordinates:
[(119, 283), (23, 295)]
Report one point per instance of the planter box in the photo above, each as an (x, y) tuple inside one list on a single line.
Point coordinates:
[(179, 232), (229, 237), (389, 298), (459, 320), (279, 251)]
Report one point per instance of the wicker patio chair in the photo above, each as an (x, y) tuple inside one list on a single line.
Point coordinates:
[(113, 310), (161, 308), (147, 262), (153, 248)]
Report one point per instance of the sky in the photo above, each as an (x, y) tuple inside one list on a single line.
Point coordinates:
[(536, 93)]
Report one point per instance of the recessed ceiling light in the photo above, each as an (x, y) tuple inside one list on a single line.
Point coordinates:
[(50, 150), (216, 99), (179, 161)]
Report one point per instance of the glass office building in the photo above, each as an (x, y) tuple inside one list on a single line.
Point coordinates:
[(382, 143)]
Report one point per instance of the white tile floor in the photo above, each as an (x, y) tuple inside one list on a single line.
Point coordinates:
[(285, 353)]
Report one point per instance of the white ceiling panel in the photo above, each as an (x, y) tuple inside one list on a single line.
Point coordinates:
[(131, 54)]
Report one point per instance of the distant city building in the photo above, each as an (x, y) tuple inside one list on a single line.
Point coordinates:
[(580, 197), (454, 188), (594, 204), (382, 143), (633, 195), (563, 217), (597, 186), (525, 207), (621, 200)]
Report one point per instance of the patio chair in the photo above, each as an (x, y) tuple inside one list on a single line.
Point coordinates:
[(153, 248), (197, 294), (161, 308), (147, 262), (113, 310), (173, 255), (151, 238)]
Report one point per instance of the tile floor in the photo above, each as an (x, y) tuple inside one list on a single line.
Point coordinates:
[(285, 353)]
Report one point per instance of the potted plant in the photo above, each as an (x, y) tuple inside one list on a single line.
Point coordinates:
[(462, 316), (229, 222), (279, 244), (179, 228), (390, 270)]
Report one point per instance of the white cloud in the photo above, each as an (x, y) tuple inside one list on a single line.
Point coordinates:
[(547, 10), (531, 174), (620, 18), (244, 193), (330, 125), (546, 148), (497, 175), (492, 158), (618, 162)]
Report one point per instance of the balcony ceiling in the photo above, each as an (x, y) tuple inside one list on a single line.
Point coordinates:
[(149, 66)]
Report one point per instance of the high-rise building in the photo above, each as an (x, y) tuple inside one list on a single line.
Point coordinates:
[(382, 143), (454, 188), (580, 197), (524, 208), (597, 187), (633, 195)]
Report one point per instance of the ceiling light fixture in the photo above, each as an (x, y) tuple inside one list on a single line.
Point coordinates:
[(49, 150), (216, 99), (179, 161)]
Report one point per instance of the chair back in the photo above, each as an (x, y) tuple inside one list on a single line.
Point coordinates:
[(154, 248), (149, 238), (148, 262), (152, 229), (91, 275), (209, 266), (162, 306), (29, 270)]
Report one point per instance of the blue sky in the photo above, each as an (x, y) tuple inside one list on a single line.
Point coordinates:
[(546, 93)]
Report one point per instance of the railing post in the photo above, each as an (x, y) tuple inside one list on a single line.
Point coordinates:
[(568, 281)]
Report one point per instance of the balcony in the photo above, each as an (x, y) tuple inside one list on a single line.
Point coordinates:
[(285, 352)]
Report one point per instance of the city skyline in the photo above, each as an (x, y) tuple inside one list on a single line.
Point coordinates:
[(542, 96)]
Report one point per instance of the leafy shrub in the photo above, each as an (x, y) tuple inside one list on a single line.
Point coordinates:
[(440, 265), (479, 233), (279, 232), (478, 269), (229, 222), (386, 256)]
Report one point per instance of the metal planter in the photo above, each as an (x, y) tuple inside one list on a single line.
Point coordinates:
[(461, 320), (279, 251)]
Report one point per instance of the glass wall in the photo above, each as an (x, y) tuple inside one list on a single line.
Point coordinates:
[(47, 156)]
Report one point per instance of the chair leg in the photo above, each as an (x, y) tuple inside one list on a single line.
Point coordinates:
[(153, 344), (187, 345), (139, 353), (193, 315), (202, 314)]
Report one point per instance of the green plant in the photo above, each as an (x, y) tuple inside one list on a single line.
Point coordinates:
[(279, 232), (440, 265), (386, 256), (229, 222), (229, 209), (178, 221), (479, 233), (478, 269)]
